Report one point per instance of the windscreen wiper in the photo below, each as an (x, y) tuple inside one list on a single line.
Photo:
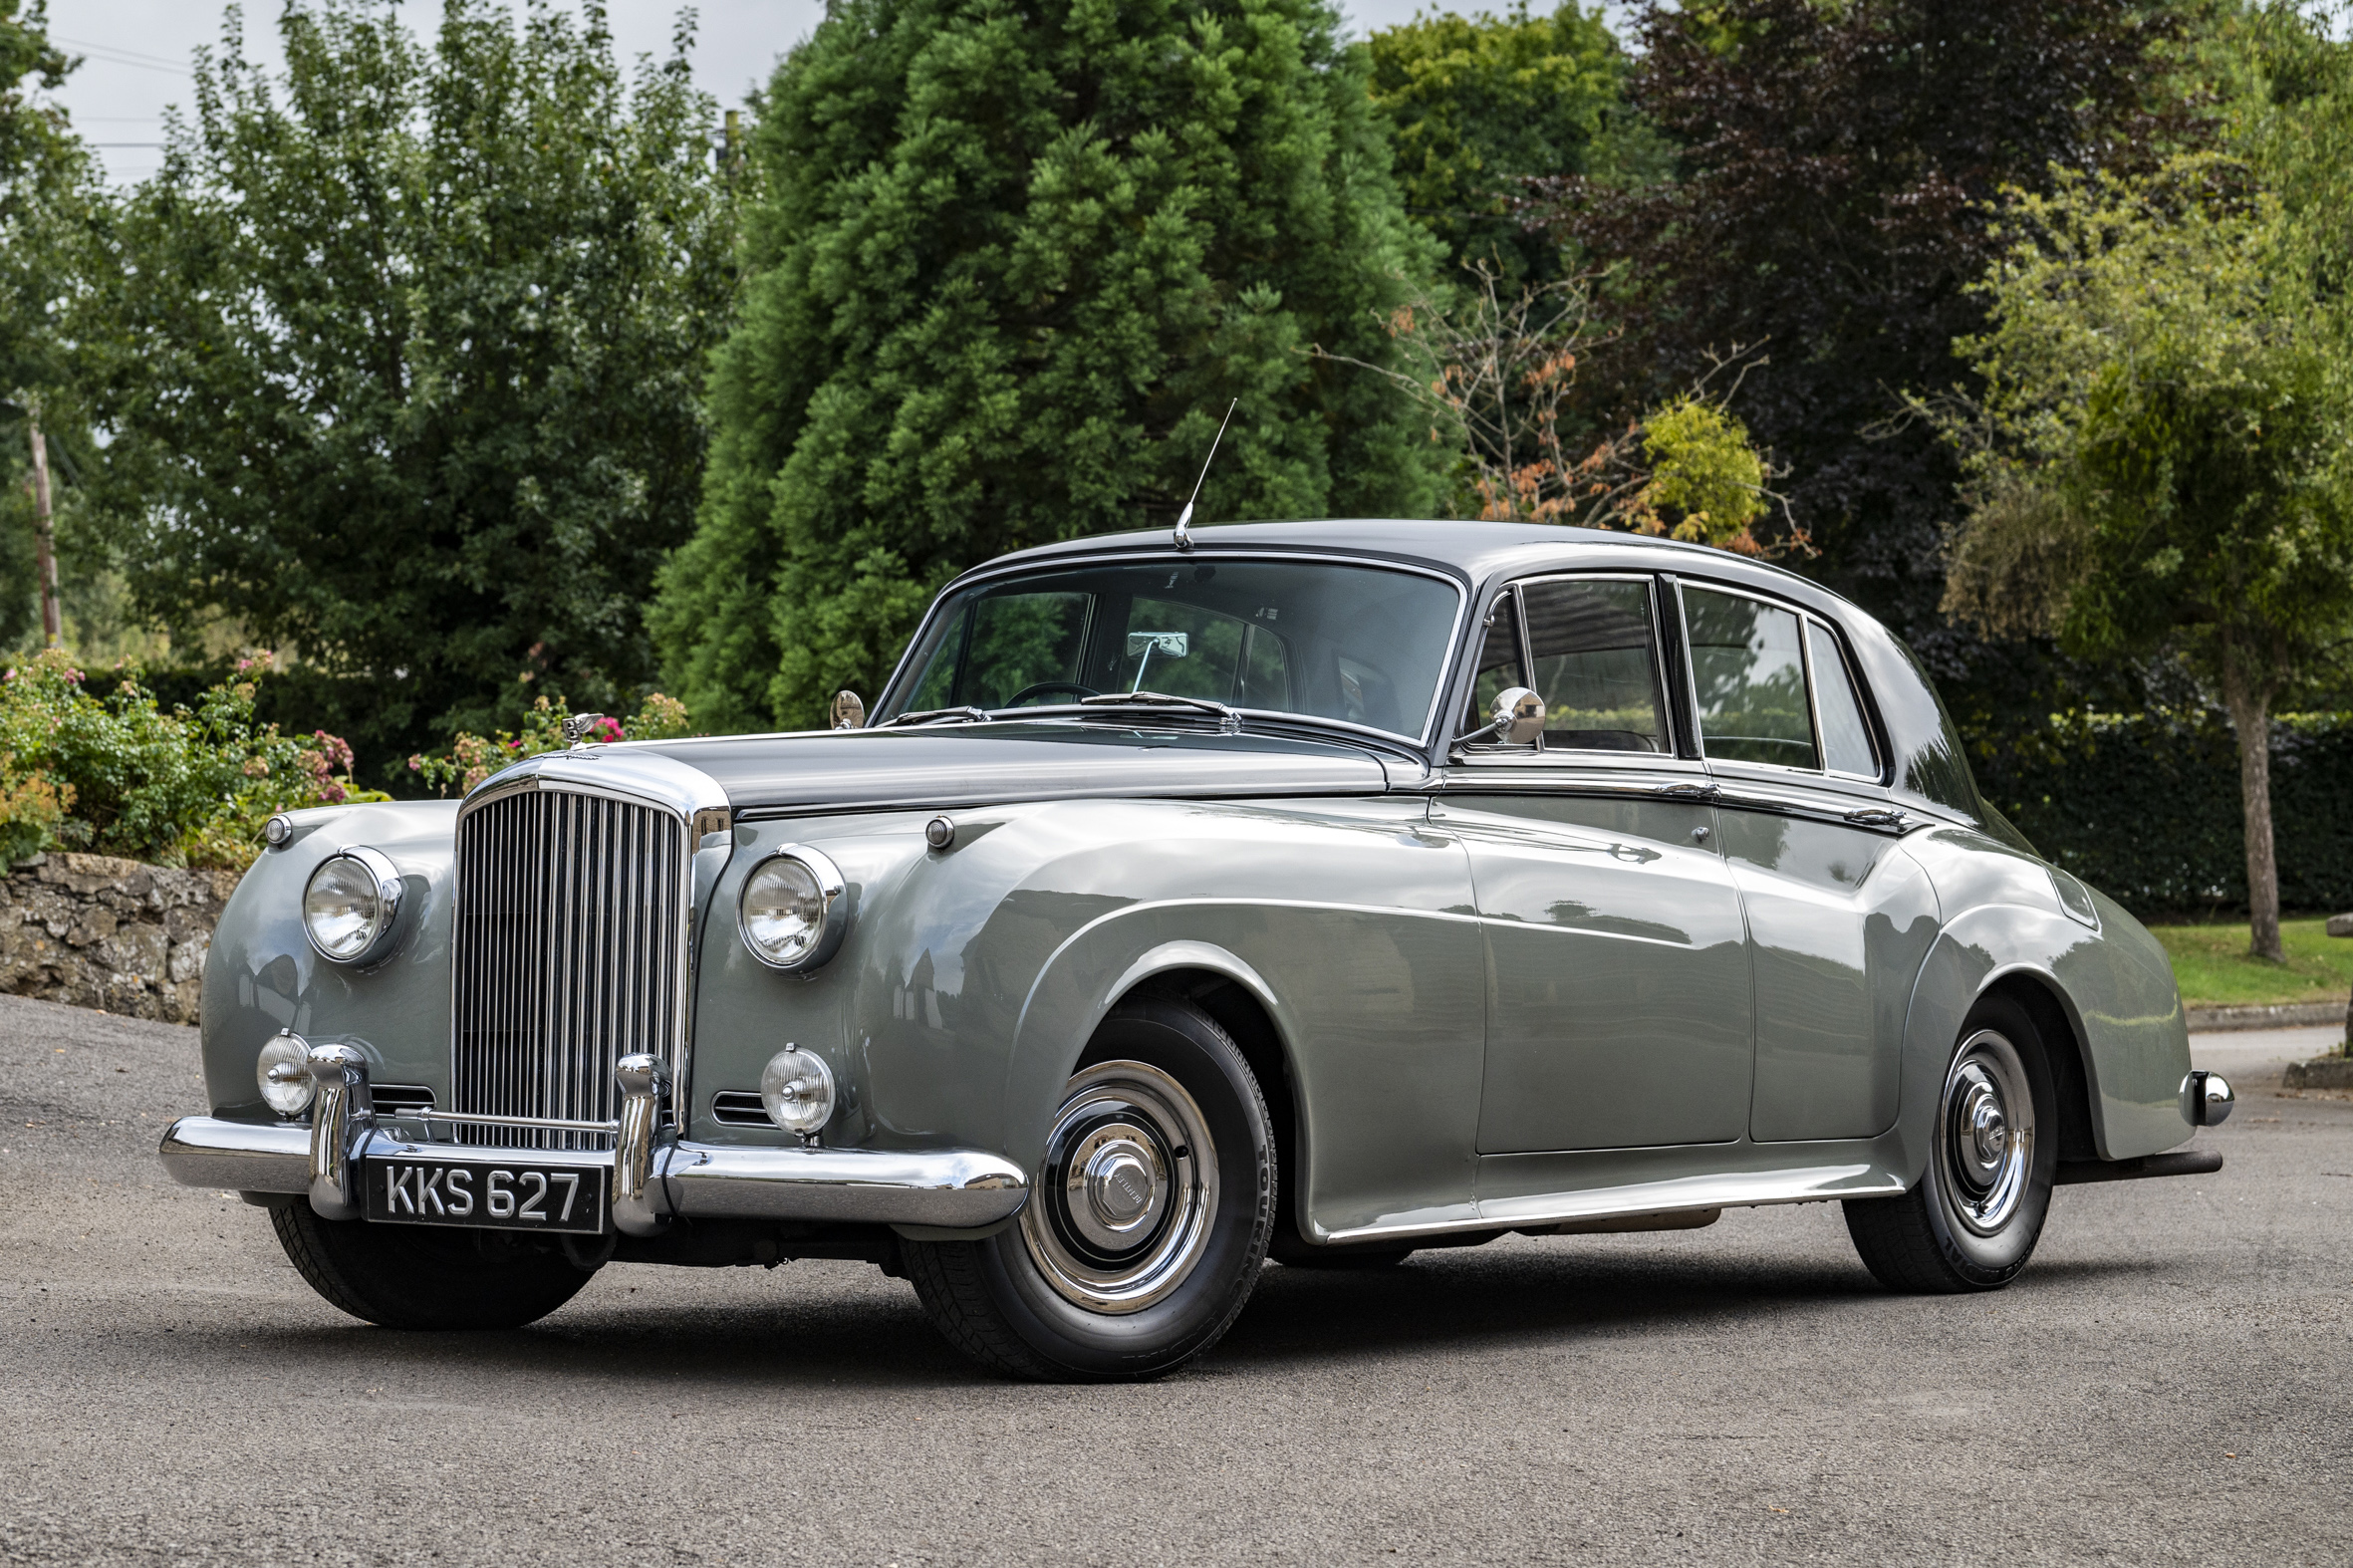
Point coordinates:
[(940, 715), (1229, 721)]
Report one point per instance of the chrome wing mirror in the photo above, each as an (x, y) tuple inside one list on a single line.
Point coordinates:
[(848, 710), (1515, 719)]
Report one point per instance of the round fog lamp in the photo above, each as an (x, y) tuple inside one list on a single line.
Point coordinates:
[(284, 1073), (350, 905), (792, 913), (797, 1087)]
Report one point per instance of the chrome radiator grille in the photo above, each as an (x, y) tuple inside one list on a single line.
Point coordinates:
[(571, 952)]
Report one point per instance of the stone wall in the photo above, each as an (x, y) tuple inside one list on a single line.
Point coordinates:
[(97, 932)]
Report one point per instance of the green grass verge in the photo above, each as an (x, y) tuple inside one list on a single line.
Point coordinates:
[(2211, 965)]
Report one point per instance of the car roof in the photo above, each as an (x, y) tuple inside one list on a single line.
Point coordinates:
[(1475, 551)]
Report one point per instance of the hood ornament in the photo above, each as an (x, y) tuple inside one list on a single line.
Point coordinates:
[(577, 725), (1184, 518)]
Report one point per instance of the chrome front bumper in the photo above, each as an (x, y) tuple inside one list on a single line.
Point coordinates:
[(651, 1180)]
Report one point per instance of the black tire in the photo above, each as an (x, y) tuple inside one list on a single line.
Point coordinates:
[(1970, 1223), (1036, 1300), (423, 1277)]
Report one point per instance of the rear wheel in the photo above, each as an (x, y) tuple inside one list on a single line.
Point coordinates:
[(1147, 1225), (423, 1277), (1972, 1220)]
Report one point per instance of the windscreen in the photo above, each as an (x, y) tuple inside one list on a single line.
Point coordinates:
[(1362, 644)]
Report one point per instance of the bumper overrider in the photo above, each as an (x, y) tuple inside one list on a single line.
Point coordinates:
[(650, 1176)]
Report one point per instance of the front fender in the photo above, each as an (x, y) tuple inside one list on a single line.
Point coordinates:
[(262, 974), (972, 978)]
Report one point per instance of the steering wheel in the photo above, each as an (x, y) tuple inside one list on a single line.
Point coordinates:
[(1042, 688)]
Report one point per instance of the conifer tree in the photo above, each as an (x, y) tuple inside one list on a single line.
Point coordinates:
[(1011, 265)]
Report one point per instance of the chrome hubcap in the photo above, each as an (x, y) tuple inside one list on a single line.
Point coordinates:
[(1130, 1185), (1986, 1133)]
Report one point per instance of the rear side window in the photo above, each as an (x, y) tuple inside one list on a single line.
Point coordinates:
[(1846, 738), (1748, 679)]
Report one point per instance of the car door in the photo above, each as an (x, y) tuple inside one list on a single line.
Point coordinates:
[(1618, 1009), (1839, 916)]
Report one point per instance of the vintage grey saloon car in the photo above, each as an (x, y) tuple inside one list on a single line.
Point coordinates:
[(1314, 891)]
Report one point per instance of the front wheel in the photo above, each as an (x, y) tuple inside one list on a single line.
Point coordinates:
[(422, 1277), (1972, 1220), (1149, 1220)]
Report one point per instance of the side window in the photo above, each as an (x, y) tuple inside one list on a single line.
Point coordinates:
[(1846, 738), (1499, 664), (1593, 654), (1748, 679)]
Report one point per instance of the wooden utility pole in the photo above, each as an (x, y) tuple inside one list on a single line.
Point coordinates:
[(44, 540)]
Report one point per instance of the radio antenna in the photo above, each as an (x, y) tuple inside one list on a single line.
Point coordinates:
[(1184, 518)]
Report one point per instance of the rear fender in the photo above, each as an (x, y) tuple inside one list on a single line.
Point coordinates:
[(2126, 1022)]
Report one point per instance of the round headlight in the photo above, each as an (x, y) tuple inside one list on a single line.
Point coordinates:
[(284, 1073), (349, 905), (792, 911), (797, 1087)]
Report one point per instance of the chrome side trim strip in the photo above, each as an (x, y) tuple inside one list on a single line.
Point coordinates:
[(1742, 1189)]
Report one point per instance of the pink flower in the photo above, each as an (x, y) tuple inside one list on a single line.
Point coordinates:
[(332, 794), (605, 730), (416, 764)]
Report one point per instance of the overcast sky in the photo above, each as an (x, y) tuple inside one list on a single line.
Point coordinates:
[(136, 53)]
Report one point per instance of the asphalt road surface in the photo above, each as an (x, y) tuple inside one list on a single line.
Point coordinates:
[(2170, 1381)]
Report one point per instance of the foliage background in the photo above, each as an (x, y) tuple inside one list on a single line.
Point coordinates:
[(402, 361), (1009, 271), (2145, 806)]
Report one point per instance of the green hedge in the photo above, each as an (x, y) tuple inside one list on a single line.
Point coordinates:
[(2146, 807)]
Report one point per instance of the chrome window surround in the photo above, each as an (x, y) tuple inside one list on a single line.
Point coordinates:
[(1805, 616), (690, 797), (1527, 659), (1438, 696), (388, 888), (832, 886)]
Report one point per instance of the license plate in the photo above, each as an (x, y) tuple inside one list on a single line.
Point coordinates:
[(502, 1197)]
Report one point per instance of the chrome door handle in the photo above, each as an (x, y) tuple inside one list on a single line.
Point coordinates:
[(1690, 791), (1878, 817)]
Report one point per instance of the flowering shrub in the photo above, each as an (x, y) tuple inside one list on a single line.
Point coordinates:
[(472, 758), (116, 774)]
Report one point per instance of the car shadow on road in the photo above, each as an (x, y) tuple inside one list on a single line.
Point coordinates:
[(873, 1336)]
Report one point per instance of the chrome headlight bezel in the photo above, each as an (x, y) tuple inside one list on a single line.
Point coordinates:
[(833, 895), (383, 927)]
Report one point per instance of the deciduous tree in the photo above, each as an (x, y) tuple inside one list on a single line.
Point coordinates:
[(406, 356), (1832, 166), (1476, 105), (2163, 454)]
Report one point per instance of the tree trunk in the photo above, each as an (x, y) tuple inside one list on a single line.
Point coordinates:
[(44, 539), (2251, 716)]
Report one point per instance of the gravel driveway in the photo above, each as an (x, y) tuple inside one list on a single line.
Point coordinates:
[(2169, 1382)]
